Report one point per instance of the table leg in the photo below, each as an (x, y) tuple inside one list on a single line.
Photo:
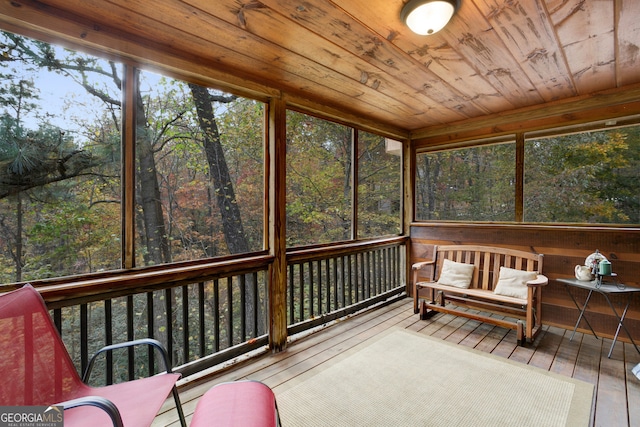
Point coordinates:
[(582, 310), (620, 323)]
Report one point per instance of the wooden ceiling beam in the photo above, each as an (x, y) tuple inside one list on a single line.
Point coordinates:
[(600, 106)]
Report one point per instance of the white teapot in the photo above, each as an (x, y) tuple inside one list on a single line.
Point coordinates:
[(583, 272)]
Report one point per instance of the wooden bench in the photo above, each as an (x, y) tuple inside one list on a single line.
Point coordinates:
[(520, 313)]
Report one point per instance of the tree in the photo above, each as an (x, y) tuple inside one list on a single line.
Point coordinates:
[(29, 159), (379, 187), (319, 160), (476, 184), (223, 188), (583, 177)]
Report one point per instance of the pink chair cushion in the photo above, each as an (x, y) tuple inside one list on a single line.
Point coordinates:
[(129, 397), (241, 403)]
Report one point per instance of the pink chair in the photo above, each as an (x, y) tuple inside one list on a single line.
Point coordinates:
[(235, 404), (36, 370)]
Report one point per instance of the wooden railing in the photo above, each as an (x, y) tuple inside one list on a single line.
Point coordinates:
[(326, 283), (206, 313)]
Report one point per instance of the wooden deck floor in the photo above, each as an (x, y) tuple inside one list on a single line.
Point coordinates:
[(617, 401)]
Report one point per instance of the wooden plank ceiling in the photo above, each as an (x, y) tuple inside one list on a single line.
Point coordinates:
[(495, 56)]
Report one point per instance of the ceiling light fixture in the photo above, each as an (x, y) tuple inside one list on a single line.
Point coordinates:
[(426, 17)]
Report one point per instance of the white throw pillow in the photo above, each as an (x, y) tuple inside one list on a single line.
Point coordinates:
[(456, 274), (513, 283)]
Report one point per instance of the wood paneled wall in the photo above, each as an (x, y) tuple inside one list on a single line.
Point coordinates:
[(563, 248)]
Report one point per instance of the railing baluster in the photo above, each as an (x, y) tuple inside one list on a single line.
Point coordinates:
[(57, 319), (291, 295), (342, 283), (311, 290), (169, 320), (256, 306), (336, 284), (84, 337), (185, 325), (243, 307), (347, 260), (327, 276), (385, 269), (201, 321), (230, 312), (357, 276), (130, 337), (394, 258), (302, 294), (150, 331), (216, 313), (320, 284), (378, 282), (368, 270), (108, 337)]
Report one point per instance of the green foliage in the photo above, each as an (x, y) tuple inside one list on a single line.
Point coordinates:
[(379, 187), (588, 177), (318, 180), (472, 184), (57, 210), (584, 177)]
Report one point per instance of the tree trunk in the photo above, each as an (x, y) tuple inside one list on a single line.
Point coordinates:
[(158, 251), (223, 190), (219, 173)]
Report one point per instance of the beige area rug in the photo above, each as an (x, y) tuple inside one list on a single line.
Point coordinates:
[(402, 378)]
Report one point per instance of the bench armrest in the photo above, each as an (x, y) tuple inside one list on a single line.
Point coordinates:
[(541, 280), (420, 265)]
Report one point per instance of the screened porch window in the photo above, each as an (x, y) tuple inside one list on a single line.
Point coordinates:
[(585, 177), (469, 184)]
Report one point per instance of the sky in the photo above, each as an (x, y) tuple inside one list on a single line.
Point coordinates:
[(66, 103)]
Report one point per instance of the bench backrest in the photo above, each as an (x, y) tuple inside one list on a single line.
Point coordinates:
[(488, 260)]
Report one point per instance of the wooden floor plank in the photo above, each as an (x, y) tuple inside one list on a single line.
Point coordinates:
[(478, 334), (617, 401), (466, 329), (565, 361), (632, 358), (546, 347), (611, 400)]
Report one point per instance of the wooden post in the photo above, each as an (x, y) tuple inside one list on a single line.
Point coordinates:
[(277, 189), (408, 203), (128, 186), (519, 196)]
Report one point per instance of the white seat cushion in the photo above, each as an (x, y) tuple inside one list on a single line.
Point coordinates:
[(456, 274), (513, 283)]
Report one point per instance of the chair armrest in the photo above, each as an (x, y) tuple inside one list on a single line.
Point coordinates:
[(420, 265), (99, 402), (144, 341), (538, 281)]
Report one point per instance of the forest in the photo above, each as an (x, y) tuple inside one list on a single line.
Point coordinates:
[(200, 180), (200, 172), (200, 189), (588, 177)]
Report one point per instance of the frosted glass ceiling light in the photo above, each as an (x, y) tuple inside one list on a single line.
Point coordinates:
[(427, 17)]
